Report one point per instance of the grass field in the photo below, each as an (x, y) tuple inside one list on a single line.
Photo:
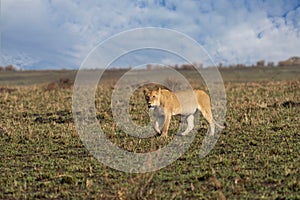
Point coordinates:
[(256, 156)]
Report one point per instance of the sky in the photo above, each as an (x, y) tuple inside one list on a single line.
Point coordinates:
[(59, 34)]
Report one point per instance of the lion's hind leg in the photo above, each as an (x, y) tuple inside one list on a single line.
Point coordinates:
[(207, 114), (212, 128), (209, 118), (190, 126)]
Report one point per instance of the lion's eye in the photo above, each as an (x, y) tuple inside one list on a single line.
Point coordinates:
[(153, 96)]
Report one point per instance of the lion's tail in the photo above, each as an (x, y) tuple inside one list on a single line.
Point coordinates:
[(219, 125)]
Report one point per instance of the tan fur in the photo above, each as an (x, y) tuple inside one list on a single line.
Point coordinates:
[(170, 103)]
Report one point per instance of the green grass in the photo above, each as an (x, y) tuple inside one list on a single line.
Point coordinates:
[(256, 156)]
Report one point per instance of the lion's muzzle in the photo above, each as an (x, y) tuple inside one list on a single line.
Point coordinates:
[(150, 106)]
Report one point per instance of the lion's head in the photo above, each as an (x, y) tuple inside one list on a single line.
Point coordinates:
[(152, 97)]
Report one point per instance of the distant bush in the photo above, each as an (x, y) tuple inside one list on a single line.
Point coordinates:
[(260, 63), (10, 68), (173, 84), (187, 67), (50, 86), (291, 61), (64, 83), (7, 90), (271, 64)]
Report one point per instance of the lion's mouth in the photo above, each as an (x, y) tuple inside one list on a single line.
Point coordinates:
[(150, 106)]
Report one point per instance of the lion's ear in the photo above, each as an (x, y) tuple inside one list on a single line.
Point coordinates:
[(145, 90), (159, 90)]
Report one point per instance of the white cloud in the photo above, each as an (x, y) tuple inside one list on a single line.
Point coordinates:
[(57, 33), (29, 27)]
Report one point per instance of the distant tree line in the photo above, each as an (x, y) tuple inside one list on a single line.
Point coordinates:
[(8, 68), (292, 61)]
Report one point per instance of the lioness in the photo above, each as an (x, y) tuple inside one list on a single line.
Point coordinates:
[(167, 102)]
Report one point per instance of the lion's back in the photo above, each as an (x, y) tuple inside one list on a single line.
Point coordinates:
[(181, 102)]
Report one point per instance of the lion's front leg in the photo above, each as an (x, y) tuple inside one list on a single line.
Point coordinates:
[(158, 118), (156, 126), (166, 125)]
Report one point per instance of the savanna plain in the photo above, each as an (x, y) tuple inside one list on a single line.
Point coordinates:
[(255, 157)]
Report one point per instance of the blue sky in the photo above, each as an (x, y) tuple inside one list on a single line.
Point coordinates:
[(56, 34)]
